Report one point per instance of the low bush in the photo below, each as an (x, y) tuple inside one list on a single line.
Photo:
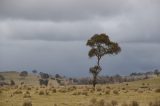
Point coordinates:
[(93, 100), (27, 103), (115, 92), (157, 90), (107, 91), (54, 90), (134, 103), (155, 103), (41, 92), (17, 92), (114, 103)]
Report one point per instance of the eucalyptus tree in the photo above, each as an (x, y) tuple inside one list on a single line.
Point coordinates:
[(100, 45)]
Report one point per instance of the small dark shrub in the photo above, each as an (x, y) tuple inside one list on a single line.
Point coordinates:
[(0, 91), (157, 90), (134, 103), (155, 103), (114, 103), (12, 83), (101, 102), (54, 91), (18, 92), (93, 100), (107, 91), (27, 103), (115, 92), (41, 92)]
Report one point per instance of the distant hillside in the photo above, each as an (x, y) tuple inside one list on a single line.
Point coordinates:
[(31, 79)]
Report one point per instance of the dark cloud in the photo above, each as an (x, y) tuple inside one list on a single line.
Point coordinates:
[(60, 10)]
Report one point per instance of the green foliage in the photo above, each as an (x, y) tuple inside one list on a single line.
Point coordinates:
[(101, 45)]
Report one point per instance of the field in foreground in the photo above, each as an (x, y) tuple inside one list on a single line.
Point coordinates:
[(139, 92)]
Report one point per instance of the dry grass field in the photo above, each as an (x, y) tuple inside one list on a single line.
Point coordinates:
[(137, 93)]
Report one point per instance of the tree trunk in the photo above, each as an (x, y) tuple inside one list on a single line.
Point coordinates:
[(94, 81)]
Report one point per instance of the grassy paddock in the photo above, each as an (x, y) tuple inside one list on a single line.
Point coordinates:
[(143, 92)]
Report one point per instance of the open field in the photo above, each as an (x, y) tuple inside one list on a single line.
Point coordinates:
[(143, 92)]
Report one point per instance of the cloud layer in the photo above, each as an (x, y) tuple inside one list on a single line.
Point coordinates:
[(52, 34)]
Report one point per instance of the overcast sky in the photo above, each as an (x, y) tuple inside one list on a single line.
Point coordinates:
[(50, 35)]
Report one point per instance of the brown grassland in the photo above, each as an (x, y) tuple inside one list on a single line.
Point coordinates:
[(137, 93)]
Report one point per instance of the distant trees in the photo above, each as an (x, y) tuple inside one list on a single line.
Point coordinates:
[(34, 71), (44, 79), (156, 72), (23, 74), (2, 77), (100, 45)]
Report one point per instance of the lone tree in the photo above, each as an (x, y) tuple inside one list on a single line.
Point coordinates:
[(100, 45)]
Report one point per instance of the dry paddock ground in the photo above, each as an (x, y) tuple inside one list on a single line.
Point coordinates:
[(140, 92)]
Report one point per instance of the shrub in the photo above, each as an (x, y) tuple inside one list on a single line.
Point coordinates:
[(17, 92), (114, 103), (26, 95), (41, 92), (115, 92), (155, 103), (27, 103), (101, 102), (99, 89), (107, 91), (93, 100), (54, 91), (157, 90), (134, 103), (12, 82)]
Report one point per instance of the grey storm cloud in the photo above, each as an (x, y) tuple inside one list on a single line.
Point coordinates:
[(61, 10)]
